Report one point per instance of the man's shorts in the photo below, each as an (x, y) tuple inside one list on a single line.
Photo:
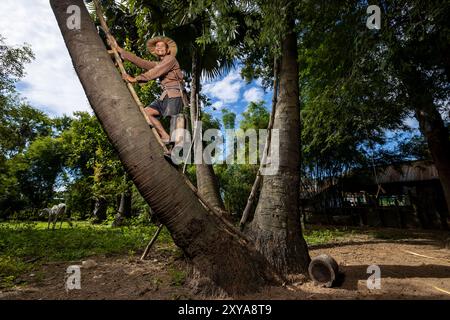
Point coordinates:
[(168, 106)]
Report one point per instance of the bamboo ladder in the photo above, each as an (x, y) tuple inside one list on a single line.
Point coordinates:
[(209, 208)]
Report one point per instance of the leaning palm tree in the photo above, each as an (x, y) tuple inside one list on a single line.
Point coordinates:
[(219, 253)]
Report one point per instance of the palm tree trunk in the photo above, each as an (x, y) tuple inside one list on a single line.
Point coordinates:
[(207, 183), (276, 225), (228, 263), (432, 127)]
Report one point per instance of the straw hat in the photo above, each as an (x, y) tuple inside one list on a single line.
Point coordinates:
[(151, 44)]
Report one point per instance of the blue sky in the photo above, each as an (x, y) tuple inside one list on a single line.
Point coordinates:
[(51, 83), (233, 93)]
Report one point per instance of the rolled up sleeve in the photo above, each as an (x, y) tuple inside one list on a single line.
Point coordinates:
[(141, 63), (160, 69)]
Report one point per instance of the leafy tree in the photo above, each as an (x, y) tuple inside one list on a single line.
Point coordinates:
[(37, 170), (20, 124), (358, 83), (12, 65), (255, 116), (228, 119), (93, 163)]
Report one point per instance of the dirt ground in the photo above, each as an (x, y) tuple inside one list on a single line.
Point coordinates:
[(416, 268)]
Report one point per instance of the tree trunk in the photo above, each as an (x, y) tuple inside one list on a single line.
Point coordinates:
[(207, 183), (125, 199), (276, 225), (432, 127), (124, 210), (228, 263), (101, 206), (125, 204)]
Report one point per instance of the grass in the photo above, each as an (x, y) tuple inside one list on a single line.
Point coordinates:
[(321, 236), (23, 246), (326, 234)]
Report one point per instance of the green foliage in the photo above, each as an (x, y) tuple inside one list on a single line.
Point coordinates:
[(20, 124), (12, 65), (354, 81), (38, 168), (255, 116), (93, 164), (147, 92), (42, 155), (416, 147), (236, 180), (228, 119), (356, 85)]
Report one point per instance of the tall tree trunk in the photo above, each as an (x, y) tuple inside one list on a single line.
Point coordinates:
[(276, 225), (227, 262), (207, 183), (432, 127)]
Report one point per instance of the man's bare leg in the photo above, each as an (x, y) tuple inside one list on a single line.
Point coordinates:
[(151, 114)]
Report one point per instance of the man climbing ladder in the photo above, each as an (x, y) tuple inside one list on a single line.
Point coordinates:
[(172, 99)]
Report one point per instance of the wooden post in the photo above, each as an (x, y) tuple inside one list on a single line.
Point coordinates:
[(152, 241)]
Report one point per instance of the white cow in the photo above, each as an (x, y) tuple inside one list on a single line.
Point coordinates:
[(54, 213)]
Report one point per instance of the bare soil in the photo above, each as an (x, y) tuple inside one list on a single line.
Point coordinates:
[(416, 268)]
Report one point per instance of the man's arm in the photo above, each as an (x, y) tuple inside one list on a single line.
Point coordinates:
[(141, 63), (160, 69)]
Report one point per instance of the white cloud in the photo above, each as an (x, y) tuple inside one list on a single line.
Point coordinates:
[(218, 105), (50, 83), (253, 94), (412, 122), (226, 90)]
